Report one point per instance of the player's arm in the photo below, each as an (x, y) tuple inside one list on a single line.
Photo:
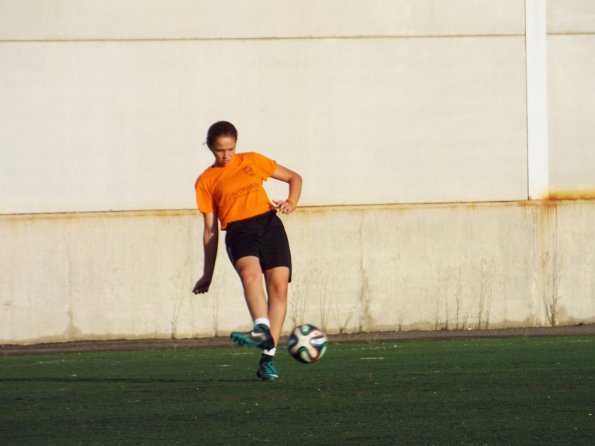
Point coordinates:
[(294, 180), (210, 240)]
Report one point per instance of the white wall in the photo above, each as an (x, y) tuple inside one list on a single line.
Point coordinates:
[(387, 108), (571, 69), (105, 104), (219, 19)]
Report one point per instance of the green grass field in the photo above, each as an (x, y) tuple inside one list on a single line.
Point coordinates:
[(508, 391)]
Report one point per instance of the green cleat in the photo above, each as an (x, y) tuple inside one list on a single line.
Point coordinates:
[(259, 337), (267, 371)]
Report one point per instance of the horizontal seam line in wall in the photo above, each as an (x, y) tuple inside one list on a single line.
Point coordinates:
[(562, 33), (250, 39), (150, 212)]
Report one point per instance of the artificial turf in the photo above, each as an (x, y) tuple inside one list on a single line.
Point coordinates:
[(511, 391)]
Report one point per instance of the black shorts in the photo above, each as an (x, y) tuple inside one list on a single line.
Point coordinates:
[(262, 236)]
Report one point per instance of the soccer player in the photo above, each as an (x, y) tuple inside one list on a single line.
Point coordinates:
[(230, 191)]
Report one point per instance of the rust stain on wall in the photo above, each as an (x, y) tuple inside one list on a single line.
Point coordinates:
[(561, 195), (550, 198)]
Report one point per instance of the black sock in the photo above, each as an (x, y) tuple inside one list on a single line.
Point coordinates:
[(265, 358)]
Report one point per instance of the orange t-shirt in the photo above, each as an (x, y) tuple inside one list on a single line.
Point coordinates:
[(235, 191)]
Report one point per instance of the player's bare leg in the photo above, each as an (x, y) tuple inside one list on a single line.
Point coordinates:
[(277, 280), (250, 273)]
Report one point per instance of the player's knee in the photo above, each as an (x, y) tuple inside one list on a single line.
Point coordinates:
[(250, 276), (278, 292)]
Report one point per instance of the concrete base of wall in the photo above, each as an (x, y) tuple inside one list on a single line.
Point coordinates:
[(129, 275)]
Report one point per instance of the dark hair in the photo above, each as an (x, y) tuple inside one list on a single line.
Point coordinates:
[(221, 128)]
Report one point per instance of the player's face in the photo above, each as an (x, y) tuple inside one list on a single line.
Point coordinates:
[(224, 150)]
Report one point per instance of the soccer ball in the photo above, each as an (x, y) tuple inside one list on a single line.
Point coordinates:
[(307, 343)]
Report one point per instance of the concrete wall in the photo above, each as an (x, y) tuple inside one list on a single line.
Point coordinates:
[(391, 110), (456, 266)]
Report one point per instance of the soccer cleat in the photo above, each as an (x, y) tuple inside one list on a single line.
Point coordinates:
[(267, 371), (259, 337)]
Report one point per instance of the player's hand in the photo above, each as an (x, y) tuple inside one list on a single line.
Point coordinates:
[(202, 285), (283, 206)]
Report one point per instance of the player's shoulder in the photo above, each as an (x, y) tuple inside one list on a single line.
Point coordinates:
[(243, 158), (247, 155), (252, 156), (206, 175)]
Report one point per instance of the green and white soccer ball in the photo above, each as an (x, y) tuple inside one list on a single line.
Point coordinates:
[(307, 343)]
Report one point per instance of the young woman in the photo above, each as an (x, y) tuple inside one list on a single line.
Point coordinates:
[(230, 191)]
